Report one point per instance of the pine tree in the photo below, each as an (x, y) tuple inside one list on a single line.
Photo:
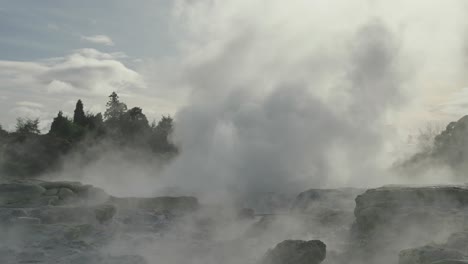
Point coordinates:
[(79, 116), (115, 108)]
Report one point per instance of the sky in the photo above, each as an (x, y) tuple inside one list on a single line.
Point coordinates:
[(156, 54), (53, 53), (266, 94)]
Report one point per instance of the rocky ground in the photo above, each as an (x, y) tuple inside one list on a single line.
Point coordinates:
[(69, 222)]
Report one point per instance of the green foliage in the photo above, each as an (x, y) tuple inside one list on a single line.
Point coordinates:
[(33, 155), (95, 124), (115, 108), (452, 144), (79, 117), (63, 127), (2, 131), (160, 138), (28, 153), (133, 123), (449, 147), (26, 126)]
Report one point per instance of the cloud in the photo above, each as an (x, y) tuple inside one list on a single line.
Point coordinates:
[(30, 104), (84, 73), (99, 39)]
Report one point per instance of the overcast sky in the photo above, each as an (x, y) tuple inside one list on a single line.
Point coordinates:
[(160, 54)]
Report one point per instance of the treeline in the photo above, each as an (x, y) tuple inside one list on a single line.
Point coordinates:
[(448, 148), (26, 152)]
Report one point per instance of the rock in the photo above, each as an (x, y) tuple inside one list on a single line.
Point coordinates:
[(99, 259), (451, 261), (51, 192), (27, 221), (35, 193), (458, 241), (66, 194), (246, 213), (7, 256), (78, 231), (19, 194), (316, 199), (173, 204), (296, 252), (125, 259), (428, 255), (51, 200), (104, 213), (85, 194), (74, 186), (393, 218), (18, 213), (31, 257), (74, 214)]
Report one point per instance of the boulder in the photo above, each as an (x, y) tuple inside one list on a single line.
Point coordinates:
[(316, 199), (7, 256), (393, 218), (173, 204), (74, 214), (51, 192), (451, 261), (26, 221), (31, 257), (75, 193), (246, 213), (428, 255), (458, 241), (65, 194), (78, 231), (296, 252), (16, 194), (104, 213)]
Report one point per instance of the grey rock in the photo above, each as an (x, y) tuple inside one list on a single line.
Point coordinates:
[(104, 213), (51, 192), (458, 241), (296, 252), (393, 218), (19, 194), (74, 214), (31, 257), (173, 204), (316, 199), (451, 261), (18, 213), (27, 221), (66, 194), (428, 255)]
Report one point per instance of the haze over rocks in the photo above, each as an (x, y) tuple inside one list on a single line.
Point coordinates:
[(68, 222)]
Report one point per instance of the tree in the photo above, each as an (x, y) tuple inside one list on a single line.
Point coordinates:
[(134, 124), (160, 140), (115, 108), (165, 126), (94, 121), (79, 117), (27, 126), (64, 128), (2, 131)]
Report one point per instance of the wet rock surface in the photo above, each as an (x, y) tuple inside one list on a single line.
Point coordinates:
[(394, 218), (68, 222), (296, 252)]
